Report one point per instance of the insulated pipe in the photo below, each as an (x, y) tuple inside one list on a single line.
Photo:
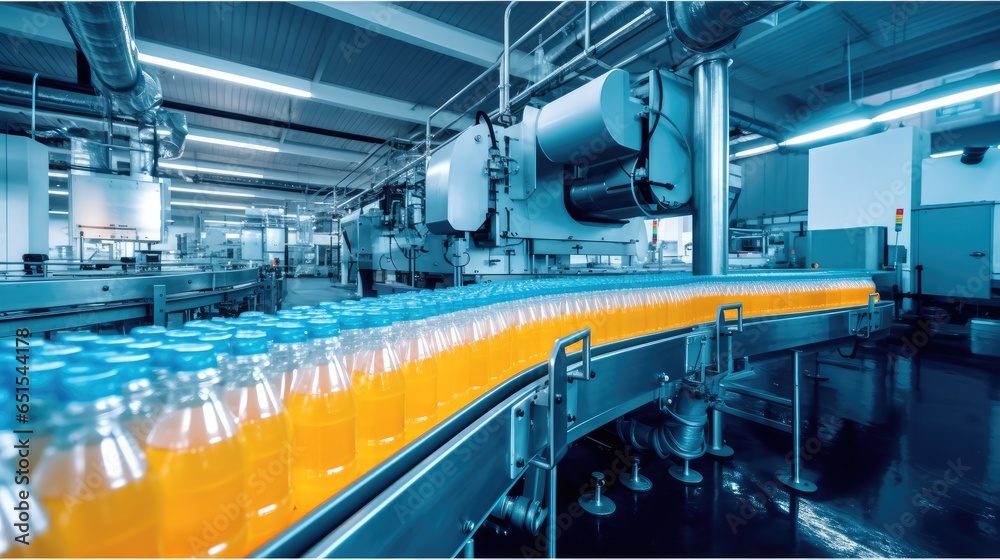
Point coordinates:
[(711, 167), (705, 27)]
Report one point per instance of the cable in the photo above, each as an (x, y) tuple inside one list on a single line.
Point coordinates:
[(489, 124)]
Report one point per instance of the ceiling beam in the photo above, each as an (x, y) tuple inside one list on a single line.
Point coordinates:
[(404, 25), (33, 25)]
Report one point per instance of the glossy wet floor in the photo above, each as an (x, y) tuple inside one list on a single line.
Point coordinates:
[(906, 454)]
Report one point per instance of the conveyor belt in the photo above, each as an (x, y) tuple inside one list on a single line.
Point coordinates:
[(428, 498)]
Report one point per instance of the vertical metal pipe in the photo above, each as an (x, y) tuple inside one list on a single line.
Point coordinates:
[(796, 419), (505, 65), (586, 26), (34, 97), (552, 512), (711, 167), (469, 551)]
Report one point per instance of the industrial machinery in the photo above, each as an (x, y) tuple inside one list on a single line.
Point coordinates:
[(540, 191), (568, 181)]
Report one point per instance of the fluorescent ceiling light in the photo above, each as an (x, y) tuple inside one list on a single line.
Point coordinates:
[(945, 101), (60, 212), (756, 151), (60, 193), (58, 175), (224, 222), (232, 143), (212, 170), (216, 193), (828, 132), (947, 154), (207, 205), (220, 75)]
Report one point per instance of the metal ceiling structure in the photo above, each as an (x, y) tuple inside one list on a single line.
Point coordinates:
[(374, 71)]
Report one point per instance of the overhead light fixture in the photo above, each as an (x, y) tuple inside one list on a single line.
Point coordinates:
[(931, 104), (755, 151), (211, 170), (220, 75), (223, 222), (58, 175), (59, 212), (207, 205), (59, 193), (216, 193), (232, 143), (828, 132), (947, 154)]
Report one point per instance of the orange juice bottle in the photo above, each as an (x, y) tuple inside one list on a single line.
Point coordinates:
[(379, 392), (420, 371), (459, 358), (264, 428), (499, 345), (136, 373), (195, 453), (439, 343), (287, 350), (93, 478), (322, 408), (477, 343)]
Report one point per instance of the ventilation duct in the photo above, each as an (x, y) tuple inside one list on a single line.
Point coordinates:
[(103, 32), (706, 27)]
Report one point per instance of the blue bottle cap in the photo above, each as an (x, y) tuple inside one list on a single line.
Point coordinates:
[(131, 366), (151, 332), (86, 340), (322, 328), (220, 341), (194, 357), (60, 351), (289, 333), (352, 320), (88, 382), (249, 343), (113, 342), (380, 318), (199, 325), (253, 315), (45, 375), (181, 336)]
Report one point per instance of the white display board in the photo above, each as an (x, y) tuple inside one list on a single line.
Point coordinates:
[(109, 207)]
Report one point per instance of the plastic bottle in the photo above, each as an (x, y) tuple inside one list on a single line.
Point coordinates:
[(93, 478), (324, 427), (379, 392), (195, 452), (288, 350), (458, 359), (135, 372), (265, 430), (420, 372)]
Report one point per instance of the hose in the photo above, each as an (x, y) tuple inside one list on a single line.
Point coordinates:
[(681, 434), (489, 124)]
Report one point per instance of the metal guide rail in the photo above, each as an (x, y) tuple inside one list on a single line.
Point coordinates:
[(44, 305), (429, 498)]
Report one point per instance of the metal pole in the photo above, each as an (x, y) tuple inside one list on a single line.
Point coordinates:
[(795, 480), (505, 65), (711, 167), (586, 26), (470, 549), (34, 97), (552, 512), (716, 447)]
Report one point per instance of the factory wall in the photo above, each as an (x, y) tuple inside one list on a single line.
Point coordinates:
[(774, 184), (948, 180)]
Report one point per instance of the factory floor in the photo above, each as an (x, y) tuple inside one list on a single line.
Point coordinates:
[(905, 452), (311, 291)]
